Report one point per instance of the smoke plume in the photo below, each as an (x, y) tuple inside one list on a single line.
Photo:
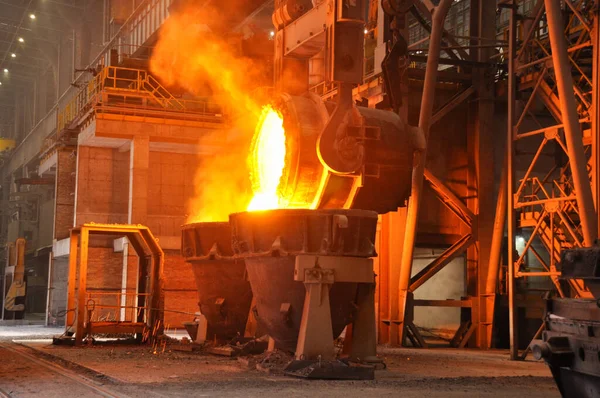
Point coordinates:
[(194, 53)]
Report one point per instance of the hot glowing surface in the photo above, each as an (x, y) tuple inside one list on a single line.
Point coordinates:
[(267, 160)]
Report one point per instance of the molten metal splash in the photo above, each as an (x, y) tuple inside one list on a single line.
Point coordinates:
[(267, 160)]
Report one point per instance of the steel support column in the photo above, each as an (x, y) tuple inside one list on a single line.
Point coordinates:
[(595, 128), (82, 282), (70, 316), (138, 180), (481, 173), (499, 224), (510, 174), (439, 15)]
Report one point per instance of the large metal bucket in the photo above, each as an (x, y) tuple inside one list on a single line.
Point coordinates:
[(224, 294), (270, 241)]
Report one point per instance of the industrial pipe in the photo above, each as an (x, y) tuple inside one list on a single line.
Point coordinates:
[(510, 177), (431, 72), (573, 136), (498, 234)]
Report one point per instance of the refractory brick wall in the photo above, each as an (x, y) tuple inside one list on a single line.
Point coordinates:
[(102, 185), (170, 187), (102, 197), (103, 188), (180, 290)]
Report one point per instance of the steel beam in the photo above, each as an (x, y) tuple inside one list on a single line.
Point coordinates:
[(594, 126), (70, 316), (572, 128), (439, 15), (510, 182), (430, 14), (497, 237), (449, 199), (82, 288), (453, 62), (440, 262), (443, 303), (452, 104)]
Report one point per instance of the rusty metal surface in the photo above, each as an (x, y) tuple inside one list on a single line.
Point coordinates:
[(294, 231), (224, 294), (570, 345), (280, 300), (269, 241), (582, 264), (380, 151), (203, 240), (149, 295), (287, 11)]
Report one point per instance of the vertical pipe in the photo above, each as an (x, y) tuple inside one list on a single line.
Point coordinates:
[(73, 56), (58, 66), (594, 115), (105, 22), (498, 234), (123, 317), (510, 183), (50, 287), (8, 261), (80, 330), (35, 101), (71, 316), (412, 216), (568, 108)]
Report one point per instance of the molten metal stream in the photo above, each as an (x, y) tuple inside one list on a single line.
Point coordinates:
[(267, 161)]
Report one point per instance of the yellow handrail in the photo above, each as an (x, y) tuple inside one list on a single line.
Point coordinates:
[(128, 83)]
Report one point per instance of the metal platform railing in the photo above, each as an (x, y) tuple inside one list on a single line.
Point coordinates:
[(115, 306), (126, 90)]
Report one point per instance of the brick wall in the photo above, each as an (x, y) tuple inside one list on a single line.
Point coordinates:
[(102, 197), (180, 290), (170, 187), (104, 277), (105, 269), (102, 185)]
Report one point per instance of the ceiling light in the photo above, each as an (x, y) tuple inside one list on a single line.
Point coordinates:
[(0, 83), (272, 33), (21, 40), (366, 31), (13, 55), (32, 16), (5, 70)]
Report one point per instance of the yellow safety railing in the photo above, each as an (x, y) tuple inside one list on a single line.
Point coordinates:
[(126, 90), (115, 306)]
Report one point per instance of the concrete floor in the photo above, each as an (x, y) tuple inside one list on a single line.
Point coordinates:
[(9, 332), (136, 371)]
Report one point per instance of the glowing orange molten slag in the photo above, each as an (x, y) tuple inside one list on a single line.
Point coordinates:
[(267, 161)]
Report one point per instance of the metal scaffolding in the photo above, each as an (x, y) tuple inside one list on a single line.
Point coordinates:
[(463, 52), (552, 146)]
